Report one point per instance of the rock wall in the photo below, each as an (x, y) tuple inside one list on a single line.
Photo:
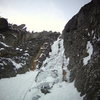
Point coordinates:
[(19, 49), (82, 46), (3, 24)]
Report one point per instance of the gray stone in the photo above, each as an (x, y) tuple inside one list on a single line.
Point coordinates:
[(3, 24), (84, 27)]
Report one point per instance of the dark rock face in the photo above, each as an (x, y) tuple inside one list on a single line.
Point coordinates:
[(20, 49), (82, 41), (3, 24)]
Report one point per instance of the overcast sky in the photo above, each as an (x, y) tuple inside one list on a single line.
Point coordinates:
[(39, 15)]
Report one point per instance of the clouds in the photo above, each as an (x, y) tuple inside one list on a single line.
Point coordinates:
[(40, 14)]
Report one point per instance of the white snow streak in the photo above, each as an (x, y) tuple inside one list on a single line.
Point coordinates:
[(89, 51), (1, 49), (4, 44), (16, 64)]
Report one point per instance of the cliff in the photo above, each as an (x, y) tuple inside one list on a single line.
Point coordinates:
[(20, 50), (82, 47)]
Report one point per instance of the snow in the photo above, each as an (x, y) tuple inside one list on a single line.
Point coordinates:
[(15, 88), (98, 39), (86, 29), (17, 48), (89, 51), (19, 88), (4, 63), (2, 68), (56, 61), (26, 51), (1, 64), (14, 35), (21, 49), (41, 55), (88, 34), (94, 37), (1, 49), (28, 86), (62, 91), (92, 32), (2, 36), (16, 64), (4, 44), (26, 54)]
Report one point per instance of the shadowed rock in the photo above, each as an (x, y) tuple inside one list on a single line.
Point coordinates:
[(19, 48), (3, 24), (82, 29)]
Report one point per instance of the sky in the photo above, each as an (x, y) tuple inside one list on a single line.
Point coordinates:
[(39, 15)]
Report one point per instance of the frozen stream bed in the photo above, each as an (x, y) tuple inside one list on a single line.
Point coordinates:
[(50, 82)]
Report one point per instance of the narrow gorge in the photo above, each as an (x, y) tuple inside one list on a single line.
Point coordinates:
[(52, 65)]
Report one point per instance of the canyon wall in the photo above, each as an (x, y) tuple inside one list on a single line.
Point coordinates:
[(82, 46)]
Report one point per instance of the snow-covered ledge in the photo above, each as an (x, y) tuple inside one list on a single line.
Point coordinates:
[(89, 48)]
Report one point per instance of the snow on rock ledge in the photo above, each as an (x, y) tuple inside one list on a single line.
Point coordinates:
[(89, 48)]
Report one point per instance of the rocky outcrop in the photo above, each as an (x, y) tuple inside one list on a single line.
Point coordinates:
[(82, 47), (20, 49), (3, 24)]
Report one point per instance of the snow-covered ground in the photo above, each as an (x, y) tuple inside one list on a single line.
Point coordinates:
[(47, 83), (15, 88)]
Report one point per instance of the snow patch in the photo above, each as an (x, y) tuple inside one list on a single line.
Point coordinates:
[(98, 39), (4, 44), (2, 68), (94, 37), (21, 49), (16, 64), (4, 63), (86, 29), (89, 48), (26, 54), (2, 36), (26, 51), (1, 49), (88, 34), (17, 48), (1, 64), (92, 32)]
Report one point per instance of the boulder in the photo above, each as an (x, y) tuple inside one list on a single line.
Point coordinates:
[(3, 24)]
